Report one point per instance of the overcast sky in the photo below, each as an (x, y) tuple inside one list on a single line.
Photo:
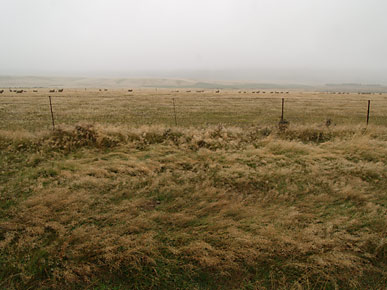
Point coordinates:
[(85, 36)]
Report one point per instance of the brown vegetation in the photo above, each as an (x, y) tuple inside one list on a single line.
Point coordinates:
[(220, 207), (30, 111)]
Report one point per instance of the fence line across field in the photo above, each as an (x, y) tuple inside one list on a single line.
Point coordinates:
[(282, 120), (176, 105)]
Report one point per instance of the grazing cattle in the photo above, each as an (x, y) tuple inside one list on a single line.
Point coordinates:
[(34, 91), (60, 90), (240, 92), (100, 90), (263, 92), (1, 91), (52, 91), (217, 91), (103, 89), (130, 91), (187, 91), (19, 91)]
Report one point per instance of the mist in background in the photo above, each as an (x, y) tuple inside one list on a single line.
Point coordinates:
[(303, 41)]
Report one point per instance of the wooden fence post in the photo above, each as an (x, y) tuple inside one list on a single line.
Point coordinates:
[(52, 114), (282, 112), (368, 111)]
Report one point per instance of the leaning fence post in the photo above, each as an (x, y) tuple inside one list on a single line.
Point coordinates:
[(368, 111), (52, 114), (174, 110)]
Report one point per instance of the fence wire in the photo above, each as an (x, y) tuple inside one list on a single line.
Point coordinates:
[(16, 112)]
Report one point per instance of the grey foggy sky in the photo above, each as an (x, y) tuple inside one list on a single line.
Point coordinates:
[(84, 36)]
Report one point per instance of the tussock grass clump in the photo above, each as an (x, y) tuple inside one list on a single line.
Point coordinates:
[(193, 208), (85, 135), (308, 135), (319, 134), (69, 138)]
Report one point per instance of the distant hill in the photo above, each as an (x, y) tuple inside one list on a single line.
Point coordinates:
[(88, 82), (84, 82), (357, 87)]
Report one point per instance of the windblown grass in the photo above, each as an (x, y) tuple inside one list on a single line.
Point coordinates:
[(222, 207)]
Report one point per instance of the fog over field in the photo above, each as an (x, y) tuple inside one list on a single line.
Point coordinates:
[(297, 41), (192, 144)]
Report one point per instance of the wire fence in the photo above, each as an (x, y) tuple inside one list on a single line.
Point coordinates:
[(38, 112)]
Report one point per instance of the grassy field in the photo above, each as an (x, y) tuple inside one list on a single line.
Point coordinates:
[(119, 198), (30, 110)]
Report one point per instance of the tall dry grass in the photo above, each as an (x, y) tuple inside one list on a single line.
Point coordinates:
[(221, 207)]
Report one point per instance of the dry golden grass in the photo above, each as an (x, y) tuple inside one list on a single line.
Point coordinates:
[(30, 111), (219, 207)]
